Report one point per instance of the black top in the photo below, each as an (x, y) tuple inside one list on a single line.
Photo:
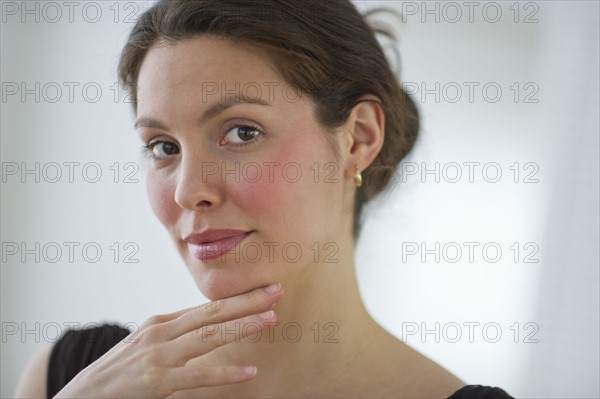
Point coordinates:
[(76, 349)]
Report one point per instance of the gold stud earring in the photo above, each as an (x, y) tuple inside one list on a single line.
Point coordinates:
[(357, 178)]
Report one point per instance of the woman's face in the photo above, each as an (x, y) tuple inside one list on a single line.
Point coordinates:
[(259, 164)]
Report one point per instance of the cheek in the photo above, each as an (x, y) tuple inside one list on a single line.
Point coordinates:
[(162, 200), (260, 196), (287, 199)]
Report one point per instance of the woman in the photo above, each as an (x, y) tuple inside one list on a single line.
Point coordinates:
[(259, 120)]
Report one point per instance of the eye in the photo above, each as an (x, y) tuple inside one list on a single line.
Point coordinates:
[(242, 135), (159, 150)]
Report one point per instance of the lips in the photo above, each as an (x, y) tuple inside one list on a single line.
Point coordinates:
[(212, 244)]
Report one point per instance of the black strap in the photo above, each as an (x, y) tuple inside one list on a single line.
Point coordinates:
[(77, 349), (480, 392)]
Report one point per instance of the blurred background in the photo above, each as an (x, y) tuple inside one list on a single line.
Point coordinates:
[(484, 254)]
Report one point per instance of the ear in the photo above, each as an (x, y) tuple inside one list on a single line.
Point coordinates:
[(366, 131)]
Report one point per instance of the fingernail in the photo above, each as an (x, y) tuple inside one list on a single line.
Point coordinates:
[(267, 315), (273, 288), (250, 370)]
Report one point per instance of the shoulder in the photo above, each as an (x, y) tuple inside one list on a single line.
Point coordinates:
[(415, 375), (394, 369), (32, 383), (429, 379)]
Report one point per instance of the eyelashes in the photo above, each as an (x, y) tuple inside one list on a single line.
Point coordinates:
[(159, 150), (150, 150), (245, 129)]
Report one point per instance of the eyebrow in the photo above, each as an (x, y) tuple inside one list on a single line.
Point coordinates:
[(209, 113)]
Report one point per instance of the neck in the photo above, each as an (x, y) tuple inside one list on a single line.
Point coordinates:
[(322, 324)]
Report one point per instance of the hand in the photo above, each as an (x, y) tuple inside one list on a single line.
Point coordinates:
[(151, 363)]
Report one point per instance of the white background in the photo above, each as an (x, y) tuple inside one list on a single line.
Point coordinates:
[(553, 134)]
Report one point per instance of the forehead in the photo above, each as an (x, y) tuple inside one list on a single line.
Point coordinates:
[(207, 68)]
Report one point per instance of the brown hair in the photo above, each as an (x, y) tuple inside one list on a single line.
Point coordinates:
[(326, 49)]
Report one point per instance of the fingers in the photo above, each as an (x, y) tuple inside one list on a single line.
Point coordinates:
[(210, 336), (164, 318), (156, 364), (183, 378), (253, 302)]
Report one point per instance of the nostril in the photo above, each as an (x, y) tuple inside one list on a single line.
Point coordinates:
[(203, 204)]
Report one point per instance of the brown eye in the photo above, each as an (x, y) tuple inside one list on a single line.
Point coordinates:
[(162, 149), (240, 135)]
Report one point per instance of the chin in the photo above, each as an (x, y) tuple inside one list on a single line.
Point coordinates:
[(218, 280), (214, 285)]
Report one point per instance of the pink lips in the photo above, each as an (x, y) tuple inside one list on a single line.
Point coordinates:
[(211, 244)]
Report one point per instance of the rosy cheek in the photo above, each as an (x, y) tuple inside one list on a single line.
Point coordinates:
[(269, 198), (162, 201), (260, 196)]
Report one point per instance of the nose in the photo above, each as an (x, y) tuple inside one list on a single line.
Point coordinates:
[(198, 186)]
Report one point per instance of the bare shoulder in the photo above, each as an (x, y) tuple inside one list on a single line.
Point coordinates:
[(406, 373), (32, 383)]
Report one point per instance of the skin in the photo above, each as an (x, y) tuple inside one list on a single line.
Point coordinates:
[(342, 351), (176, 184)]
